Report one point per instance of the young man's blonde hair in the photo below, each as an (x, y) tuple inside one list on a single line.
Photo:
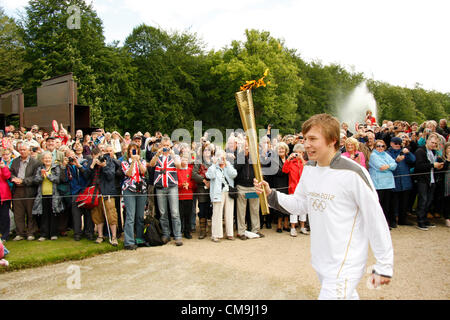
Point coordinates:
[(328, 125)]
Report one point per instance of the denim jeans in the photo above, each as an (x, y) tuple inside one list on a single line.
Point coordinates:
[(168, 198), (425, 198), (135, 205)]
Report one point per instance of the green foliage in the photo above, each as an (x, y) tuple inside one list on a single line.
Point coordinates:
[(52, 49), (169, 68), (248, 60), (11, 54)]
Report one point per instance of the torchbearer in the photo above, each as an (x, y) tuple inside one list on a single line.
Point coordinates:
[(344, 213)]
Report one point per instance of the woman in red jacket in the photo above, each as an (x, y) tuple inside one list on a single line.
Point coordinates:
[(186, 188), (294, 168), (5, 201)]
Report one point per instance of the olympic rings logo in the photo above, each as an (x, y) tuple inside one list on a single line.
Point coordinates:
[(319, 205)]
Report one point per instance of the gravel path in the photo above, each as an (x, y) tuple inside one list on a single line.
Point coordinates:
[(275, 267)]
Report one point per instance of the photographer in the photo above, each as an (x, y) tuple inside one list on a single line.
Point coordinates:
[(221, 174), (101, 170), (134, 195), (351, 147), (166, 184), (78, 183)]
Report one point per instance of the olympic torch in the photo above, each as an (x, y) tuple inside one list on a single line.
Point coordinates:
[(246, 110)]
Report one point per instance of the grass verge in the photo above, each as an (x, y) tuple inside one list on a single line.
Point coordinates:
[(29, 254)]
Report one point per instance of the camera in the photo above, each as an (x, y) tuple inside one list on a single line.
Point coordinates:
[(71, 160), (102, 158), (165, 149), (439, 160), (133, 152), (139, 186), (34, 149)]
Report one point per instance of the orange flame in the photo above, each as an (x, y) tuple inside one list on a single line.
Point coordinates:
[(253, 83)]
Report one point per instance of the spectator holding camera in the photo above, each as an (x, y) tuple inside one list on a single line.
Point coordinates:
[(351, 147), (134, 191), (166, 184), (75, 175), (101, 170), (87, 145), (221, 174)]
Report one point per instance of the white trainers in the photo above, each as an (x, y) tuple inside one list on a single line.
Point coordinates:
[(293, 232), (42, 239), (30, 238), (447, 222), (304, 231), (18, 238), (4, 262), (54, 238)]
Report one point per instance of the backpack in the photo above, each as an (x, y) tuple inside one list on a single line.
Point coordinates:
[(152, 231)]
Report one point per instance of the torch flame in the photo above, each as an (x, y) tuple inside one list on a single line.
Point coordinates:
[(253, 83)]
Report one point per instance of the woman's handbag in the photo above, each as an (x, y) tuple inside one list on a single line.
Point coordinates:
[(233, 192)]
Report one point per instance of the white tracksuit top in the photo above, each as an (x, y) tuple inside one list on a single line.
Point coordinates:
[(344, 216)]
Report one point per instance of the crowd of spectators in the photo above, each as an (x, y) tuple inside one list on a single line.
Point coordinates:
[(202, 188)]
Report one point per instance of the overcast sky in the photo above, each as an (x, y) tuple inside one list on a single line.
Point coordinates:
[(398, 41)]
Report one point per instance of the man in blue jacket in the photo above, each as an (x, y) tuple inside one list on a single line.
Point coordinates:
[(78, 183), (403, 183)]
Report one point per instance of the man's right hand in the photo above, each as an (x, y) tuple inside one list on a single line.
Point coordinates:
[(438, 165), (261, 186)]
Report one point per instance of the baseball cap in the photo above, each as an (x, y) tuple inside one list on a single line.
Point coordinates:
[(397, 140)]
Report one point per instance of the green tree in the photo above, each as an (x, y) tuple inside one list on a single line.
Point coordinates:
[(169, 67), (11, 54), (53, 49), (242, 61)]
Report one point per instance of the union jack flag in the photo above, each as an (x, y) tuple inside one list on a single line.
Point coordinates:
[(166, 172)]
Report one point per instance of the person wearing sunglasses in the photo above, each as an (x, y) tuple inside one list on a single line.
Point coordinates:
[(381, 167)]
